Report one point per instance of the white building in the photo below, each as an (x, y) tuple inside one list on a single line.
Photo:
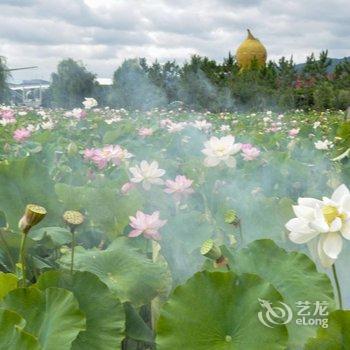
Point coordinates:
[(29, 92)]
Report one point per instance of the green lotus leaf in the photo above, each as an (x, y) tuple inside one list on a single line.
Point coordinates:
[(102, 205), (58, 235), (12, 335), (3, 221), (8, 282), (191, 228), (136, 328), (126, 271), (336, 336), (219, 310), (53, 316), (24, 181), (9, 249), (105, 318), (293, 274), (269, 216)]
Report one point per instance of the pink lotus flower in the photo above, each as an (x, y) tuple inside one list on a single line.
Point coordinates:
[(79, 113), (20, 135), (128, 186), (7, 116), (274, 128), (145, 224), (89, 153), (144, 132), (293, 132), (102, 156), (76, 113), (181, 186), (165, 122), (249, 152)]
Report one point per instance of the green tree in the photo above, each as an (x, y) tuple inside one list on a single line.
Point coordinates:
[(342, 74), (171, 80), (133, 89), (286, 73), (324, 96), (317, 68), (286, 78), (71, 84), (165, 76), (4, 75), (200, 83)]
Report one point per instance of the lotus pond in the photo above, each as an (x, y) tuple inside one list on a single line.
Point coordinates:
[(174, 230)]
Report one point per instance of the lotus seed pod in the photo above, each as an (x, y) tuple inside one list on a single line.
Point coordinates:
[(73, 218), (210, 250), (251, 49), (231, 217), (32, 216)]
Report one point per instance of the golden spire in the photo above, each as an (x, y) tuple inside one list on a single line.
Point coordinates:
[(251, 49)]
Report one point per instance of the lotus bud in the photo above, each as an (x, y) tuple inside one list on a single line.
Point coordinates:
[(72, 149), (210, 250), (73, 218), (32, 216)]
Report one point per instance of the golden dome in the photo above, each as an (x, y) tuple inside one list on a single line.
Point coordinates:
[(251, 49)]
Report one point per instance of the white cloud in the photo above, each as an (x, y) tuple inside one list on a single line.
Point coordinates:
[(103, 33)]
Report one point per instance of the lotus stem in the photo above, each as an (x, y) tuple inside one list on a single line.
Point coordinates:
[(72, 255), (7, 249), (337, 285), (22, 258), (240, 231)]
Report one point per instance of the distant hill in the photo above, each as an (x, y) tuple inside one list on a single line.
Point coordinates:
[(335, 61)]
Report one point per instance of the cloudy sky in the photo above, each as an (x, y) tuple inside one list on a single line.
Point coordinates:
[(102, 33)]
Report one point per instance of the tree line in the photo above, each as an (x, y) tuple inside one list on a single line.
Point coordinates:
[(203, 84)]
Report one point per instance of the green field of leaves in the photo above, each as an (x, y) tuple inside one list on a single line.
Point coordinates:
[(109, 253)]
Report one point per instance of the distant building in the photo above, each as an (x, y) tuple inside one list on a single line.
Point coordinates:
[(105, 81), (29, 92)]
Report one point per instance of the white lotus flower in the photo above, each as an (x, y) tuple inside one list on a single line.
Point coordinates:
[(220, 150), (176, 127), (328, 219), (49, 125), (148, 174), (316, 125), (202, 125), (323, 145), (225, 127), (89, 102)]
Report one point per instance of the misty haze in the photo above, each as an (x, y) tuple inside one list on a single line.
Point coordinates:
[(174, 175)]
